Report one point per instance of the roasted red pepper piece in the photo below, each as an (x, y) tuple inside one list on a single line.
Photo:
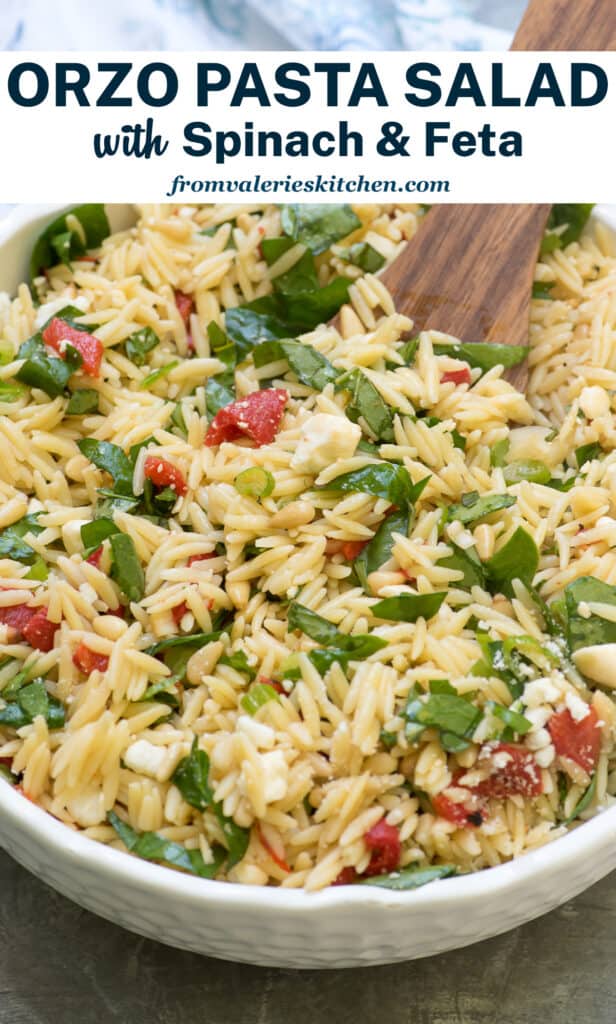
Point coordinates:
[(94, 558), (579, 740), (517, 775), (257, 416), (383, 841), (457, 377), (17, 617), (352, 548), (87, 660), (200, 558), (185, 305), (164, 474), (460, 814), (90, 348), (40, 632)]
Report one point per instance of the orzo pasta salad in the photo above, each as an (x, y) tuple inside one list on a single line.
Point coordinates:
[(294, 604)]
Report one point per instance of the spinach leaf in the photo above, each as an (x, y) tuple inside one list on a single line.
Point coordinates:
[(363, 255), (472, 507), (303, 311), (574, 216), (178, 650), (257, 321), (139, 344), (301, 277), (587, 452), (586, 632), (29, 701), (112, 459), (43, 371), (82, 401), (277, 316), (317, 225), (151, 846), (409, 607), (217, 396), (11, 543), (378, 551), (59, 243), (191, 778), (126, 568), (341, 647), (518, 559), (467, 561), (450, 714), (511, 718), (484, 355), (382, 479), (163, 691), (110, 502), (367, 403), (220, 390), (584, 801), (93, 534), (542, 289), (306, 362), (411, 878)]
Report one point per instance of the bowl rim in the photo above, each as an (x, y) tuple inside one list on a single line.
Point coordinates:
[(43, 830)]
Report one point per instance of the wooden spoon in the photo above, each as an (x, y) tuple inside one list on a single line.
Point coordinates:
[(470, 270)]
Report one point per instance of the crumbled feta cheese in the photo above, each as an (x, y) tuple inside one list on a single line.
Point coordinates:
[(276, 772), (145, 758), (538, 717), (540, 691), (262, 735), (594, 402), (325, 439), (577, 707)]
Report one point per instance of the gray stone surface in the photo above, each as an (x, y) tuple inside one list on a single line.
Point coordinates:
[(61, 965)]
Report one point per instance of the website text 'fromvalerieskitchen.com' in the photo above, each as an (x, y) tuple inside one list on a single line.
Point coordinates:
[(320, 184)]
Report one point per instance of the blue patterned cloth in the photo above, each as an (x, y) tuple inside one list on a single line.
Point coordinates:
[(257, 24)]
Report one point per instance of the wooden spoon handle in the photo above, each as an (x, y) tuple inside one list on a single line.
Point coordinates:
[(567, 25)]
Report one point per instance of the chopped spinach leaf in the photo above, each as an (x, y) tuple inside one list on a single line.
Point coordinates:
[(59, 243), (367, 403), (518, 559), (82, 401), (308, 365), (587, 631), (411, 878), (27, 703), (587, 452), (93, 534), (339, 647), (46, 372), (139, 344), (484, 355), (382, 479), (112, 459), (378, 551), (151, 846), (364, 256), (472, 507), (126, 568), (574, 216), (316, 225), (409, 607), (467, 561)]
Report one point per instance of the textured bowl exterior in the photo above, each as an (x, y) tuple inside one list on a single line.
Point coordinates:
[(340, 927)]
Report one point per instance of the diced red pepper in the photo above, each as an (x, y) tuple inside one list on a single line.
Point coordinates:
[(279, 861), (346, 877), (40, 632), (164, 474), (275, 685), (120, 611), (519, 775), (185, 305), (258, 416), (87, 660), (352, 548), (17, 617), (200, 558), (457, 377), (90, 348), (383, 841), (579, 740), (94, 558), (460, 814), (178, 612)]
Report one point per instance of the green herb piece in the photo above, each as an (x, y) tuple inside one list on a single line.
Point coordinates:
[(156, 375), (586, 632), (239, 662), (527, 469), (408, 607), (364, 256), (93, 534), (498, 452), (257, 696), (472, 507), (43, 371), (388, 739), (254, 482), (450, 714), (512, 719), (378, 551), (542, 289), (408, 351), (112, 459), (465, 560), (518, 559), (59, 243), (339, 647), (192, 779), (584, 802), (316, 225), (126, 568), (383, 480), (163, 691), (139, 344), (367, 403), (574, 216), (10, 391), (411, 878), (151, 846), (308, 365), (82, 401), (110, 502), (484, 355), (30, 701), (178, 650), (278, 316), (220, 390), (301, 277), (587, 452)]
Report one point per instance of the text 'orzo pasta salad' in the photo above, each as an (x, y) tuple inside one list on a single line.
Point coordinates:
[(285, 603)]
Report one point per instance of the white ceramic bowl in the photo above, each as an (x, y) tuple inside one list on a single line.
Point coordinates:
[(340, 927)]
